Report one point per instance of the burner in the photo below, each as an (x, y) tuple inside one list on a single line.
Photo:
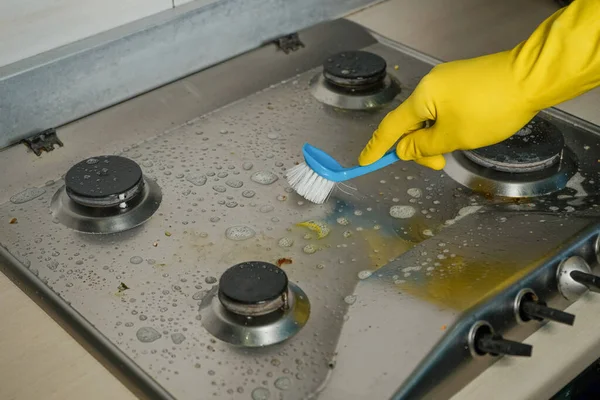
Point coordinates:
[(533, 162), (240, 293), (355, 70), (105, 181), (105, 194), (254, 305), (354, 80), (535, 147)]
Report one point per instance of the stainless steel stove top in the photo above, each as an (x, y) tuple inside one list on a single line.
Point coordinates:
[(397, 268)]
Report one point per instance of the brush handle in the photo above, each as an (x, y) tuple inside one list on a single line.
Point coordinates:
[(389, 158)]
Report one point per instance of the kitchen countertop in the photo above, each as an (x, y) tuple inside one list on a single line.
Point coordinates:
[(39, 360)]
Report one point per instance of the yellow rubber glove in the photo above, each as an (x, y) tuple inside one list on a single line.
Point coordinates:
[(483, 101)]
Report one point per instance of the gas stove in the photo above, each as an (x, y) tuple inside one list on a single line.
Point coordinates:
[(186, 261)]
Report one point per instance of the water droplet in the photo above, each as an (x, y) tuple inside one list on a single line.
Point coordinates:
[(147, 334), (402, 211), (281, 197), (347, 234), (427, 232), (178, 338), (234, 183), (231, 204), (27, 195), (197, 180), (283, 383), (358, 212), (239, 232), (310, 249), (285, 242), (91, 161), (414, 192), (247, 166), (266, 208), (273, 135), (136, 260), (215, 219), (222, 174), (364, 274), (320, 266), (219, 188), (261, 393), (264, 177), (351, 299), (210, 280), (248, 193), (147, 163), (343, 221)]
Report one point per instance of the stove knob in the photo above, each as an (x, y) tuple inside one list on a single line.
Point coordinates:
[(592, 282), (574, 277), (529, 307), (496, 345), (483, 340), (539, 311)]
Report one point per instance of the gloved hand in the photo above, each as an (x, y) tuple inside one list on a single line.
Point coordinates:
[(482, 101), (474, 103)]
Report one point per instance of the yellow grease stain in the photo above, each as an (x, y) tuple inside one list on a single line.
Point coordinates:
[(459, 285), (320, 227)]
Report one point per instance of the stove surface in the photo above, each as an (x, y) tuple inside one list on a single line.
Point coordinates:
[(396, 267)]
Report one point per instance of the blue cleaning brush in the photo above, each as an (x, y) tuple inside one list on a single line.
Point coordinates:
[(316, 178)]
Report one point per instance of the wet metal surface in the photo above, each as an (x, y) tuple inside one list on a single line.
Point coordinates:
[(225, 201)]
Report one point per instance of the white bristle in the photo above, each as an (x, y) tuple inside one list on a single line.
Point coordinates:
[(308, 184)]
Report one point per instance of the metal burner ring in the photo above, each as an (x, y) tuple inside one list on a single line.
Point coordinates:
[(347, 100), (107, 219), (498, 183)]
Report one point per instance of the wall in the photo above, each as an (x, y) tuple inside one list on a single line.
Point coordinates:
[(30, 27)]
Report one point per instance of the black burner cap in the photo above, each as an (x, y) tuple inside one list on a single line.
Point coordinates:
[(536, 146), (103, 177), (253, 282), (354, 68)]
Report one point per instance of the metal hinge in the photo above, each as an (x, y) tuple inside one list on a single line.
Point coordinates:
[(289, 43), (43, 141)]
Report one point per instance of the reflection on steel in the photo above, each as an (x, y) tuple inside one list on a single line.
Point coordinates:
[(567, 286), (497, 183), (107, 219), (259, 331), (522, 295), (327, 94), (473, 332)]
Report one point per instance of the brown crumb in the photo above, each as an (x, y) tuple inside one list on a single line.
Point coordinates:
[(444, 327), (12, 221), (283, 261), (155, 244)]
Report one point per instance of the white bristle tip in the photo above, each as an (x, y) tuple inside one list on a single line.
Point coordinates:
[(308, 184)]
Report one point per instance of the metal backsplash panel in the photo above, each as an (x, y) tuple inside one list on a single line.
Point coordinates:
[(75, 80)]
